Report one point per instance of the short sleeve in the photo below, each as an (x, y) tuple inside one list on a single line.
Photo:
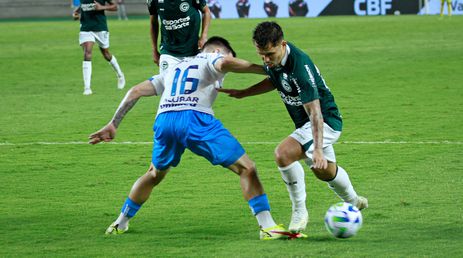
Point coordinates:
[(305, 77), (199, 4), (158, 83)]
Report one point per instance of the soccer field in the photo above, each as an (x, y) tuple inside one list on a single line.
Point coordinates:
[(398, 82)]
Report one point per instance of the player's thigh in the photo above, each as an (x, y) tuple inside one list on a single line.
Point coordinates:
[(211, 140), (168, 145), (288, 151)]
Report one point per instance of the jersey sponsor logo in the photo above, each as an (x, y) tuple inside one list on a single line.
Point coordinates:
[(184, 7), (312, 78), (179, 101), (176, 24), (87, 7), (290, 100), (298, 89)]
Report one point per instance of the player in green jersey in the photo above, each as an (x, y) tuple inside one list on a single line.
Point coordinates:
[(180, 22), (318, 122), (449, 7), (93, 28)]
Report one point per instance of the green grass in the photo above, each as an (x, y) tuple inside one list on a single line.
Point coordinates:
[(395, 78)]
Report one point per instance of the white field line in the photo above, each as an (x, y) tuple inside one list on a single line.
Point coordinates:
[(244, 143)]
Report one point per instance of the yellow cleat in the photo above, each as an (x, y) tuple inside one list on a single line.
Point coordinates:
[(114, 229), (275, 232)]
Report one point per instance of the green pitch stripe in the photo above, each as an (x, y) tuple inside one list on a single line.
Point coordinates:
[(245, 143)]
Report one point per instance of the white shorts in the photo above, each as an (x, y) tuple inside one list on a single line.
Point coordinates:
[(304, 136), (100, 37), (168, 61)]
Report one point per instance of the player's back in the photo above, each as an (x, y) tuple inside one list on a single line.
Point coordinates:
[(190, 85)]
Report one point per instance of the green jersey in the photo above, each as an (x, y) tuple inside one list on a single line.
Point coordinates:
[(91, 20), (299, 81), (180, 24)]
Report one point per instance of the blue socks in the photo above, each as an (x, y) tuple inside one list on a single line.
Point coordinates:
[(259, 203), (130, 208)]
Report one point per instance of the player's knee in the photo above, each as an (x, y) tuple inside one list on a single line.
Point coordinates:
[(282, 157), (88, 55), (249, 169), (157, 174)]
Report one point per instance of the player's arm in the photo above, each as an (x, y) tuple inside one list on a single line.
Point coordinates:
[(316, 119), (107, 7), (154, 32), (229, 63), (259, 88), (206, 21), (76, 13), (108, 132)]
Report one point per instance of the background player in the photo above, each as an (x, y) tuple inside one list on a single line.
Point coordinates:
[(180, 25), (449, 7), (185, 120), (93, 28), (318, 122)]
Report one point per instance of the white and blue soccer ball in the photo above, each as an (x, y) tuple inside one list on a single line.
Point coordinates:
[(343, 220)]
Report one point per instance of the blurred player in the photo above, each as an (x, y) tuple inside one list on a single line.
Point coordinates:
[(298, 8), (121, 11), (215, 8), (93, 28), (270, 8), (449, 7), (180, 26), (318, 122), (242, 7), (185, 120)]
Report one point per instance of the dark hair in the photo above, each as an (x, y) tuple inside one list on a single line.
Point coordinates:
[(267, 32), (221, 42)]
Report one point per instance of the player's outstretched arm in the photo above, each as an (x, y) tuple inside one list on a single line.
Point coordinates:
[(108, 132), (154, 32), (236, 65), (259, 88), (313, 109), (206, 21)]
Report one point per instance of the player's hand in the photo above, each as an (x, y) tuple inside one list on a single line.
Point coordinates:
[(75, 15), (232, 93), (201, 42), (318, 160), (98, 6), (156, 56), (105, 134)]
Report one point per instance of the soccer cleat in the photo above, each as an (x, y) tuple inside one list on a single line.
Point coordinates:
[(121, 82), (299, 220), (362, 203), (114, 229), (275, 232), (87, 91)]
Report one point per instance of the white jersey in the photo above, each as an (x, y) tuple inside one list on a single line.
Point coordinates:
[(190, 85)]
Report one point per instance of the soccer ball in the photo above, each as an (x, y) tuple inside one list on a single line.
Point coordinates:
[(343, 220)]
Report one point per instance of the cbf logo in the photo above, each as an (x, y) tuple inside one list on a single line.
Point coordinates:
[(285, 84), (184, 6)]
